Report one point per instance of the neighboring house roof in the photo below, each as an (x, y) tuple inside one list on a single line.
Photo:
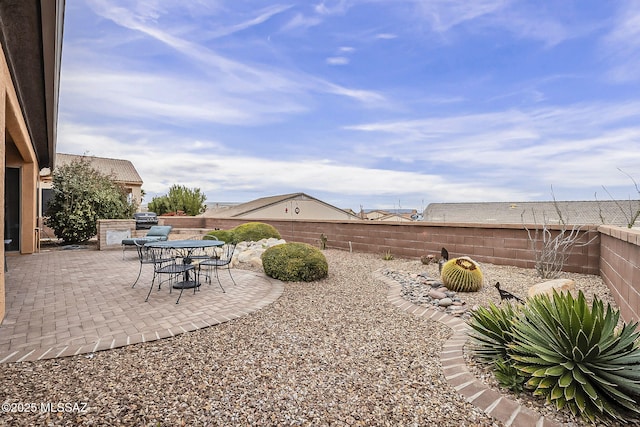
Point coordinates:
[(120, 170), (610, 212), (394, 217), (254, 206)]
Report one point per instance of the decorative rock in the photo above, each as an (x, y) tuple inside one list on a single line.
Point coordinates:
[(548, 287), (445, 302), (251, 252), (437, 294)]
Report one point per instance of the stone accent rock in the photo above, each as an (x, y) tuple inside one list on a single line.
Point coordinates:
[(548, 287), (251, 252), (424, 290), (435, 294)]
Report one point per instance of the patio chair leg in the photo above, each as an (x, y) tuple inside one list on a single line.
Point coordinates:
[(137, 278), (150, 288), (229, 270), (181, 289), (215, 269)]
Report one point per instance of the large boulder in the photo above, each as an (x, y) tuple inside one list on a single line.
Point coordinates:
[(547, 287), (251, 252)]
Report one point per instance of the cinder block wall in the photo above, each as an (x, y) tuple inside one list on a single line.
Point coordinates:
[(620, 268), (496, 244), (611, 252)]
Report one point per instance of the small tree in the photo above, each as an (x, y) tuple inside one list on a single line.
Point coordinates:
[(81, 196), (179, 198)]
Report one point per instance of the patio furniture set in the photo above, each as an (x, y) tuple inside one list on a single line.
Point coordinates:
[(180, 262)]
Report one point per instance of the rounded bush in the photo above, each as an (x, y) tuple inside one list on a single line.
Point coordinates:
[(248, 232), (462, 275), (254, 231), (224, 235), (295, 262)]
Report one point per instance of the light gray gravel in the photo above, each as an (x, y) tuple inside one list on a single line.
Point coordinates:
[(331, 352), (517, 281)]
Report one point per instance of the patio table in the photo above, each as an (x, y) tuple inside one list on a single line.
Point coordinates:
[(184, 249)]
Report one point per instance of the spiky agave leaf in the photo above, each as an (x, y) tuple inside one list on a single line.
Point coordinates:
[(491, 331), (574, 356)]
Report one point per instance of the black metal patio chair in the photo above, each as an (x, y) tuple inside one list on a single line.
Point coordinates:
[(222, 258), (172, 269)]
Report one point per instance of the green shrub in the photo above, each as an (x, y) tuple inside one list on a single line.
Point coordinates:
[(294, 262), (462, 275), (254, 231), (248, 232), (575, 357), (224, 235), (491, 331), (81, 196)]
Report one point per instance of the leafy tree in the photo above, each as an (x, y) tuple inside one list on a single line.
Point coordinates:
[(179, 198), (81, 196)]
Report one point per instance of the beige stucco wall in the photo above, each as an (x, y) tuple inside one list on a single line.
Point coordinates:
[(21, 155), (307, 210)]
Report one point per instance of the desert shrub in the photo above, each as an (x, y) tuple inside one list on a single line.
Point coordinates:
[(224, 235), (575, 357), (295, 262), (254, 231), (462, 275)]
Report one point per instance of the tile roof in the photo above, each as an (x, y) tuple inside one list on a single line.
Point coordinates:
[(610, 212), (122, 171)]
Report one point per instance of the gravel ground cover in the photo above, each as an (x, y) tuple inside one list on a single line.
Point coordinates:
[(332, 352), (517, 281)]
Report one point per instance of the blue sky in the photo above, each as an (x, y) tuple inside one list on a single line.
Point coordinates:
[(373, 103)]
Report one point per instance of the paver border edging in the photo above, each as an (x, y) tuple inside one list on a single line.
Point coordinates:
[(455, 369)]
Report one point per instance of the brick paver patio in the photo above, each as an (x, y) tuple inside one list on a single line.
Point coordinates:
[(66, 302)]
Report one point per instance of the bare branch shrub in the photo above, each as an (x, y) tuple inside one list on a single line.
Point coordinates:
[(552, 252), (631, 213)]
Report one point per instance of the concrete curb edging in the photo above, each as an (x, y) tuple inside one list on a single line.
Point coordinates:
[(455, 369)]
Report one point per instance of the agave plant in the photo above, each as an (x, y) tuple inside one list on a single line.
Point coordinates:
[(576, 358), (491, 331), (508, 376)]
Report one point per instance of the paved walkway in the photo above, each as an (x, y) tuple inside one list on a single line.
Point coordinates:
[(66, 302)]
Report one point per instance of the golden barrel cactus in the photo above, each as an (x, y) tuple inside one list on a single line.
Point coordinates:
[(462, 275)]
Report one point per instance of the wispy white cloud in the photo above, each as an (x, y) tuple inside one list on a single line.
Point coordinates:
[(337, 60), (242, 95), (443, 15), (562, 142), (300, 21), (621, 46)]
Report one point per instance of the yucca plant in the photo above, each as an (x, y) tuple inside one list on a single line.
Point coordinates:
[(491, 331), (576, 358)]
